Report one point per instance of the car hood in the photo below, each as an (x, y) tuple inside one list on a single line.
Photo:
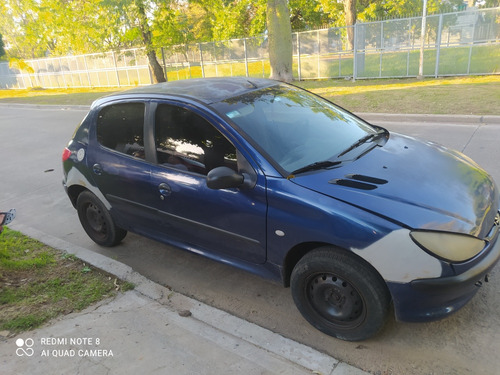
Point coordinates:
[(417, 184)]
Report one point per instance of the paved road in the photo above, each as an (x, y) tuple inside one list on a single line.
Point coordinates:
[(469, 342)]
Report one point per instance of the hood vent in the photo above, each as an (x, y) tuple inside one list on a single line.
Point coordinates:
[(359, 181)]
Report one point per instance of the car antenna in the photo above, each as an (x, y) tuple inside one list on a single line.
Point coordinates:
[(251, 83)]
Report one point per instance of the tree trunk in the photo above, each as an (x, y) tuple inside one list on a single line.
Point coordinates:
[(280, 40), (154, 65), (350, 20)]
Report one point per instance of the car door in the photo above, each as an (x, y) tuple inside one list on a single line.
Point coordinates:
[(220, 223), (117, 158)]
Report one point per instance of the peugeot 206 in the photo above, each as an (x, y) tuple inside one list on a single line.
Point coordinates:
[(358, 221)]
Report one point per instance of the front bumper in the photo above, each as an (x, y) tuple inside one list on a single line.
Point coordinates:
[(433, 299)]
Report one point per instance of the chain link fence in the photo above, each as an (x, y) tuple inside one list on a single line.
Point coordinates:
[(460, 43)]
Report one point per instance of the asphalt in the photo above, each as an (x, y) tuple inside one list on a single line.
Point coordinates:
[(154, 330)]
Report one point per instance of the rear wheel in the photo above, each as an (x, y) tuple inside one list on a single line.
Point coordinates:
[(340, 294), (97, 221)]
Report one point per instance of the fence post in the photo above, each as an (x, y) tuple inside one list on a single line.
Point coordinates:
[(246, 55), (215, 61), (382, 48), (177, 66), (298, 58), (422, 43), (164, 64), (355, 52), (409, 47), (201, 61), (59, 60), (471, 45), (37, 80), (116, 70), (438, 42), (319, 52), (87, 69)]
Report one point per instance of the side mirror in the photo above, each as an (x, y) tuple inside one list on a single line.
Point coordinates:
[(224, 178)]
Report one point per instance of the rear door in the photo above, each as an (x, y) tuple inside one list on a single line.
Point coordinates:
[(227, 222), (117, 158)]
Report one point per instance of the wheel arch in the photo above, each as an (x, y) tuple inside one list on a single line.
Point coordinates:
[(296, 253), (74, 191)]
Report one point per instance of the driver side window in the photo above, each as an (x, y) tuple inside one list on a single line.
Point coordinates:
[(186, 141)]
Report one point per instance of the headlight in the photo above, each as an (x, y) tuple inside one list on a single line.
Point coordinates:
[(450, 246)]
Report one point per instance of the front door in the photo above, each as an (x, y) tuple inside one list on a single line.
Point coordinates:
[(221, 223)]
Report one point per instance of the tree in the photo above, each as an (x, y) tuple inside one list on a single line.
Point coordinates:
[(307, 14), (380, 9), (20, 64), (350, 21), (37, 28), (225, 19), (2, 50), (280, 40), (137, 13), (20, 26)]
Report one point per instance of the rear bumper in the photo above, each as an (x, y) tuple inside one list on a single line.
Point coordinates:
[(433, 299)]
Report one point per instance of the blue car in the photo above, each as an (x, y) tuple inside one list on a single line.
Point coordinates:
[(267, 177)]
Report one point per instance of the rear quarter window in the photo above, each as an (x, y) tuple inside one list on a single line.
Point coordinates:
[(120, 127)]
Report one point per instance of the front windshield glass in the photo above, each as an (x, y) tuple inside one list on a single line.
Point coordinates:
[(293, 127)]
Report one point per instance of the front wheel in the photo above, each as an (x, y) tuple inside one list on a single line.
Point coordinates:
[(97, 221), (340, 294)]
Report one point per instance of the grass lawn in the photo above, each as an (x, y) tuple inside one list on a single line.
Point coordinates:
[(477, 95), (70, 96), (39, 283)]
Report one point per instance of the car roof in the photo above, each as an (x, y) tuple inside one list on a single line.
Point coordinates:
[(206, 90)]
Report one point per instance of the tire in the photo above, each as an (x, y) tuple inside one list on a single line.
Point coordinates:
[(97, 221), (340, 294)]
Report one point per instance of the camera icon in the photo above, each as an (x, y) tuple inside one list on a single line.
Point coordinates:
[(24, 347)]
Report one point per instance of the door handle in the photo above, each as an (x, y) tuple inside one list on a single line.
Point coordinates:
[(97, 169), (164, 190)]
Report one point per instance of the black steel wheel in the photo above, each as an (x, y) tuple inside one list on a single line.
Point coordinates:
[(97, 221), (340, 294)]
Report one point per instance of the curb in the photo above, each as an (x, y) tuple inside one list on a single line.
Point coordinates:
[(430, 118), (46, 106), (217, 320)]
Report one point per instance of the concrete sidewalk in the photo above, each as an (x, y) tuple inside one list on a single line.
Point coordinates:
[(153, 330)]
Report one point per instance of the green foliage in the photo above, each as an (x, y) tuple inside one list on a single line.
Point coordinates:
[(2, 50), (24, 323), (383, 9), (183, 22), (126, 286), (37, 28), (18, 252), (307, 14), (20, 64)]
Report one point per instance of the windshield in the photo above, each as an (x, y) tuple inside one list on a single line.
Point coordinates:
[(293, 127)]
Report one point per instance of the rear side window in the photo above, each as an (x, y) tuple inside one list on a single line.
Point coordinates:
[(186, 141), (120, 127)]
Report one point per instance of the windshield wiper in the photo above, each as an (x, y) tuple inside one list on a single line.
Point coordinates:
[(358, 143), (363, 140), (315, 166)]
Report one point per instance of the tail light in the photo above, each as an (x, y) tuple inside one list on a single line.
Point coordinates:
[(66, 154)]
